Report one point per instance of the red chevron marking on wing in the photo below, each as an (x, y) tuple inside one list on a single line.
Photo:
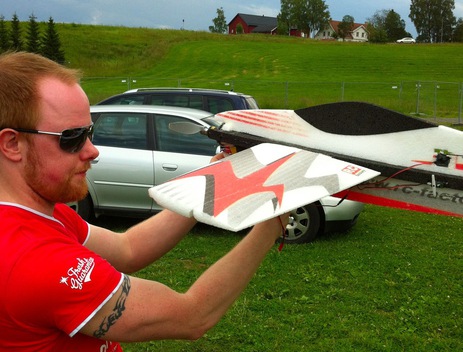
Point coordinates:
[(228, 188)]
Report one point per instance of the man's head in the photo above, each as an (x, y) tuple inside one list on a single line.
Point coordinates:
[(44, 120), (20, 73)]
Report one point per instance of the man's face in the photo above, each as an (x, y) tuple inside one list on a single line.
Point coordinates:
[(52, 173)]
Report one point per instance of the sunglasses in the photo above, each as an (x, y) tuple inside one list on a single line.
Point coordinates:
[(71, 140)]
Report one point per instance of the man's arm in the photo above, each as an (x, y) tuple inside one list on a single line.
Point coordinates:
[(141, 244), (144, 310)]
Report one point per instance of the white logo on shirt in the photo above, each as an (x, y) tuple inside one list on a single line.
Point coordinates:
[(77, 276)]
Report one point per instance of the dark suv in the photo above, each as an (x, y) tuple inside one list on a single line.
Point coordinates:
[(211, 100)]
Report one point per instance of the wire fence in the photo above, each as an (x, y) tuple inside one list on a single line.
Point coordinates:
[(426, 99)]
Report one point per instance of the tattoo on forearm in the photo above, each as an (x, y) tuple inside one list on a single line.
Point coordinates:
[(112, 318)]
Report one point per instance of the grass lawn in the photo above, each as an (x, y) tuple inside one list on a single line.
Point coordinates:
[(281, 72), (392, 283)]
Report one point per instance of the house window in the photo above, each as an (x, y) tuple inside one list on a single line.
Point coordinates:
[(357, 34)]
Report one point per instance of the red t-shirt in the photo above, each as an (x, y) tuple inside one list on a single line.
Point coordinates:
[(51, 285)]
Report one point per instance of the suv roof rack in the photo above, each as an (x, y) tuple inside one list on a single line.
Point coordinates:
[(181, 89)]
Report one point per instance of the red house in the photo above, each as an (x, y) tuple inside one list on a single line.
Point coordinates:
[(242, 23)]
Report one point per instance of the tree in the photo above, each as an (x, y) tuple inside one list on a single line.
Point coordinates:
[(376, 34), (15, 34), (377, 27), (433, 19), (239, 28), (387, 26), (51, 44), (33, 35), (306, 15), (378, 19), (318, 15), (458, 31), (284, 17), (346, 26), (4, 35), (220, 24), (395, 26)]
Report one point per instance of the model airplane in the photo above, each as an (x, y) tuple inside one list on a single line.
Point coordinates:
[(256, 184), (395, 160)]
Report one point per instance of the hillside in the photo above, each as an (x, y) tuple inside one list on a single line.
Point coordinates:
[(154, 57), (114, 51)]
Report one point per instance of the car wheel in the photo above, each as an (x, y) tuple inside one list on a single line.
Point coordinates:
[(85, 208), (304, 224)]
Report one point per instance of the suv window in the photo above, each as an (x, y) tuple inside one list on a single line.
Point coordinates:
[(171, 141), (208, 100), (122, 130), (129, 100), (181, 100), (216, 105)]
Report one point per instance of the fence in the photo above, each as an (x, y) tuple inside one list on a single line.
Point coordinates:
[(431, 100)]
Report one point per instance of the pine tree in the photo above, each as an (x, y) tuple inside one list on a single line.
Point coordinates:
[(33, 35), (4, 35), (51, 44), (15, 34)]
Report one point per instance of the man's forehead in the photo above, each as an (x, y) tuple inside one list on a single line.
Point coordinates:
[(52, 86), (58, 98)]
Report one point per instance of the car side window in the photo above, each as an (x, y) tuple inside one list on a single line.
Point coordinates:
[(175, 142), (129, 99), (121, 130), (181, 100), (216, 105)]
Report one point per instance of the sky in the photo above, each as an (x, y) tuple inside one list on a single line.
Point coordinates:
[(194, 15)]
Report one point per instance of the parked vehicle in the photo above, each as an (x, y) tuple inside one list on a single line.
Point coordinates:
[(406, 40), (211, 100), (138, 150)]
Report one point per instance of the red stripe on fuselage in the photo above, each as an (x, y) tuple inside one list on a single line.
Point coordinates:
[(387, 202), (265, 119)]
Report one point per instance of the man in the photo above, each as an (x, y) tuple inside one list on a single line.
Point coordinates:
[(64, 282)]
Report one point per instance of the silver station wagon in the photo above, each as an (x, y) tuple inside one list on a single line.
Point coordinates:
[(138, 151)]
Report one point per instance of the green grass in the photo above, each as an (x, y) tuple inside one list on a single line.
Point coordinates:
[(392, 283), (281, 72)]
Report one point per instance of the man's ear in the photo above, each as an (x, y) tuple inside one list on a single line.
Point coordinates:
[(10, 145)]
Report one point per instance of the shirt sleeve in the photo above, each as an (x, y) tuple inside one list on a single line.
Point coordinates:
[(58, 282), (79, 228)]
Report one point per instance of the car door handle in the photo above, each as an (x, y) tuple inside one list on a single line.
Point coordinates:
[(95, 161), (169, 167)]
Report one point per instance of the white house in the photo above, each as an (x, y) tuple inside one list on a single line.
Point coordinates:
[(359, 32)]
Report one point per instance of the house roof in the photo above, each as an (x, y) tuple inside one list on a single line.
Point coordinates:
[(262, 24)]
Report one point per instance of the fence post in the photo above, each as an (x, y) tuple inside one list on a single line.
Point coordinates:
[(286, 94), (418, 86), (461, 103)]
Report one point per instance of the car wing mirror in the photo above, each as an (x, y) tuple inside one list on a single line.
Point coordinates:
[(186, 127)]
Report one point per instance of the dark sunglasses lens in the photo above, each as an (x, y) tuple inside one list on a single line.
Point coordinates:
[(73, 140)]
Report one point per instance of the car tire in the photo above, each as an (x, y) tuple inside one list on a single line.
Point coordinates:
[(85, 208), (304, 224)]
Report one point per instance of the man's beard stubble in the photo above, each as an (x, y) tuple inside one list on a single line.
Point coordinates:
[(62, 191)]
